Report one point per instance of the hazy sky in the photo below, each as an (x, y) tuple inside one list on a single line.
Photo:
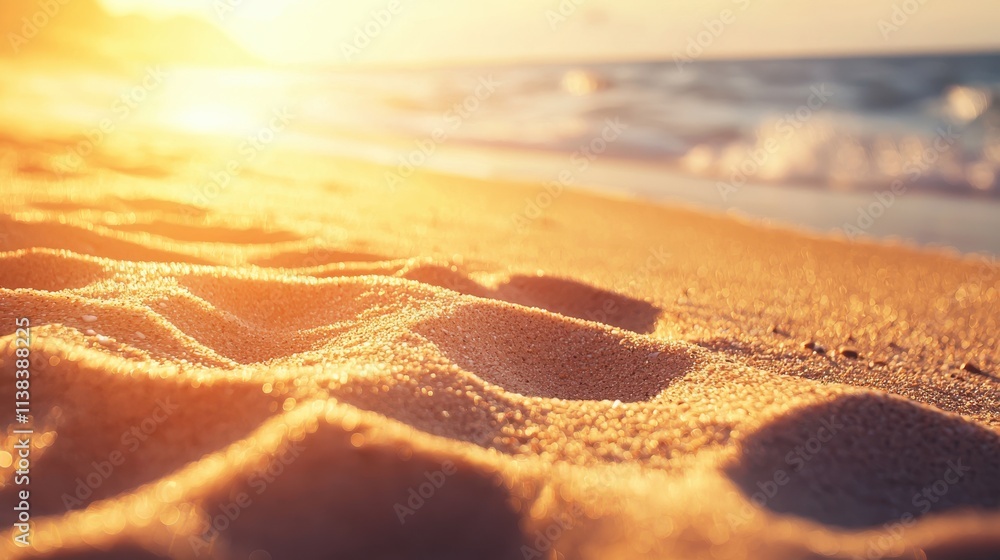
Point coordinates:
[(463, 30)]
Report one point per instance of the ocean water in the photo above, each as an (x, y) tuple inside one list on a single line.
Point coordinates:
[(848, 124), (905, 146)]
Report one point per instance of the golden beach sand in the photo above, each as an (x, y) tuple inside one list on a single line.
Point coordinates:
[(333, 369)]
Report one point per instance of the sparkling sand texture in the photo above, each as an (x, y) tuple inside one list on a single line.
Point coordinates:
[(316, 365)]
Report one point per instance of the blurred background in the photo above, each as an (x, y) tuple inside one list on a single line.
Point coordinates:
[(855, 118)]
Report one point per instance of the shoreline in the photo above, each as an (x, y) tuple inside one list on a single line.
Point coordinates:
[(904, 221), (591, 379)]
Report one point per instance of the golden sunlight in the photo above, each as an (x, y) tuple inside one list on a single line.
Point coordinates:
[(399, 31), (499, 279)]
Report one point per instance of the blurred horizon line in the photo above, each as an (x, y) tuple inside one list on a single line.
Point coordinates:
[(503, 62)]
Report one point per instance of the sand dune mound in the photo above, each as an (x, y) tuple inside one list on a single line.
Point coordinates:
[(410, 495), (48, 271), (109, 428), (866, 460), (558, 295), (209, 385), (559, 359)]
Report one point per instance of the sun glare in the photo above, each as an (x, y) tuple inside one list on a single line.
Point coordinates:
[(207, 118), (397, 31), (216, 102)]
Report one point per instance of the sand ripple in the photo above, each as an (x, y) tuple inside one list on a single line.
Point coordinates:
[(271, 398)]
